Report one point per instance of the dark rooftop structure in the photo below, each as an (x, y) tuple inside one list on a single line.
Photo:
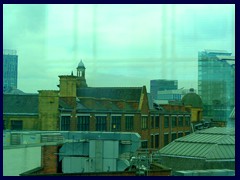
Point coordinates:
[(20, 104), (192, 99), (120, 93)]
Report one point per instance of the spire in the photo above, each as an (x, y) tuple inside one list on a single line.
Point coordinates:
[(81, 65)]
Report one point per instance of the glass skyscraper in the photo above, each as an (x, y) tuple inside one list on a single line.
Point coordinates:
[(10, 67), (216, 83)]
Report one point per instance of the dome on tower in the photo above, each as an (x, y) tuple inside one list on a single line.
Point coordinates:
[(81, 65), (192, 99)]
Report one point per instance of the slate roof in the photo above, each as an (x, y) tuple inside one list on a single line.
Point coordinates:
[(64, 105), (20, 104), (81, 65), (117, 93), (104, 105), (217, 143)]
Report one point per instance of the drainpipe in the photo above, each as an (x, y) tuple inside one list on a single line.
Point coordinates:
[(192, 127)]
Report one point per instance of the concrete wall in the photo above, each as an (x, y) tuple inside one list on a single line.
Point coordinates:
[(21, 159)]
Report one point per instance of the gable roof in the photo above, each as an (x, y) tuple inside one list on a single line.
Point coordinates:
[(20, 104), (217, 143), (116, 93)]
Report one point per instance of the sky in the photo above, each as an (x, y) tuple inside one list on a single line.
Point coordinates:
[(120, 45)]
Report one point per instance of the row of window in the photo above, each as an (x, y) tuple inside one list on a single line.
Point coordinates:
[(155, 138), (176, 121), (83, 123)]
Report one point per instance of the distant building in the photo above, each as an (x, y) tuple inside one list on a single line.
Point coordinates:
[(10, 69), (162, 85), (216, 83), (164, 97)]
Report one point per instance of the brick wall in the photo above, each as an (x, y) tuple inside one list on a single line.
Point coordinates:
[(29, 122), (48, 110), (68, 86), (50, 159)]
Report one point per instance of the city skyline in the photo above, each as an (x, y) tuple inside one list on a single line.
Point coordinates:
[(120, 45)]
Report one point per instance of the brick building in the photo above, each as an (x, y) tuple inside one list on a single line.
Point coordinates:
[(77, 107)]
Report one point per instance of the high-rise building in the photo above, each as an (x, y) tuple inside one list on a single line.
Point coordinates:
[(161, 85), (10, 67), (216, 83)]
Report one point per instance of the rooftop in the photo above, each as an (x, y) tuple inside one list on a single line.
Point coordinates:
[(116, 93), (217, 143), (20, 104), (220, 57), (110, 105), (216, 51)]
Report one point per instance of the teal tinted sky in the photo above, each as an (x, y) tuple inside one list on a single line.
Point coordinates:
[(120, 45)]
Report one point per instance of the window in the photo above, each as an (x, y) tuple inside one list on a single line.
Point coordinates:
[(180, 134), (65, 123), (152, 141), (4, 124), (156, 121), (187, 120), (166, 139), (17, 125), (152, 121), (116, 123), (157, 141), (174, 121), (101, 123), (180, 121), (174, 136), (83, 123), (144, 144), (166, 121), (144, 122), (129, 122)]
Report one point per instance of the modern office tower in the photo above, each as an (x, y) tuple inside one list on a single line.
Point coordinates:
[(161, 85), (171, 95), (216, 83), (10, 67)]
